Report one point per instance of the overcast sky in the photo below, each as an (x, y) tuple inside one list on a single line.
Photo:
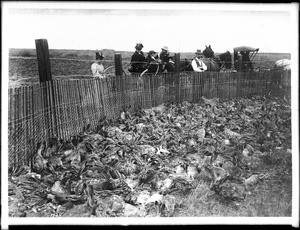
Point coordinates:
[(119, 26)]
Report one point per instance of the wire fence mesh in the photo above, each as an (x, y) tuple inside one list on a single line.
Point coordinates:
[(62, 108)]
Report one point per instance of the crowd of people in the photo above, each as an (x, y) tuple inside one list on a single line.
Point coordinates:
[(139, 62)]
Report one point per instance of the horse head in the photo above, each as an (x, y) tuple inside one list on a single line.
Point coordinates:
[(208, 52)]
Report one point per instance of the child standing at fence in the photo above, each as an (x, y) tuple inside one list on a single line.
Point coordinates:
[(97, 67)]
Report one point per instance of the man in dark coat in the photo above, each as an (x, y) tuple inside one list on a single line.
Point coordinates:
[(138, 64)]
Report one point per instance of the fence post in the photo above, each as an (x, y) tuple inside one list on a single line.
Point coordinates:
[(42, 53), (118, 64), (177, 76), (119, 78)]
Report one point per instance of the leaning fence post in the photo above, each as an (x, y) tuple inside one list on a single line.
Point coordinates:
[(177, 77), (42, 52)]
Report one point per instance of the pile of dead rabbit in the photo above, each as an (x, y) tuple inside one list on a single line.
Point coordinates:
[(138, 164)]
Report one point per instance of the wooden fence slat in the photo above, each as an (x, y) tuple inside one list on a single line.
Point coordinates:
[(28, 125), (74, 108), (57, 109), (91, 104), (53, 109), (76, 105), (94, 103), (101, 97), (50, 124), (31, 122), (20, 124), (63, 92), (17, 115), (12, 119), (35, 125), (85, 99), (97, 98), (22, 156)]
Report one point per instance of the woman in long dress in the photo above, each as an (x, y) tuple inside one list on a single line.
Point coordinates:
[(97, 67)]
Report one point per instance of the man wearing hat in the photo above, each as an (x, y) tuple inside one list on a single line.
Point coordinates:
[(197, 64), (164, 55), (137, 59)]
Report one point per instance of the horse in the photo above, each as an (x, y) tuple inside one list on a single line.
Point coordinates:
[(282, 64), (223, 60), (155, 67), (184, 65), (211, 64)]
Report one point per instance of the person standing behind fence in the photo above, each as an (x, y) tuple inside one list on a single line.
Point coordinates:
[(152, 62), (137, 63), (246, 63), (197, 64), (97, 67), (164, 55)]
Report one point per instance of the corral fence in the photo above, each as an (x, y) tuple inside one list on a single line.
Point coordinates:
[(62, 108)]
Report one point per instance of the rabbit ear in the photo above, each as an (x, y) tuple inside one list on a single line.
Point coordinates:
[(206, 46), (209, 46)]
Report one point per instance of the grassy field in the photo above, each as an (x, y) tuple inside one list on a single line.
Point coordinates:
[(23, 67)]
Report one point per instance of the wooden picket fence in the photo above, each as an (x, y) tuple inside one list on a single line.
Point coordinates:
[(62, 108)]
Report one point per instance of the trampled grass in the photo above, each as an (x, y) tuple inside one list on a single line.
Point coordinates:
[(271, 197)]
